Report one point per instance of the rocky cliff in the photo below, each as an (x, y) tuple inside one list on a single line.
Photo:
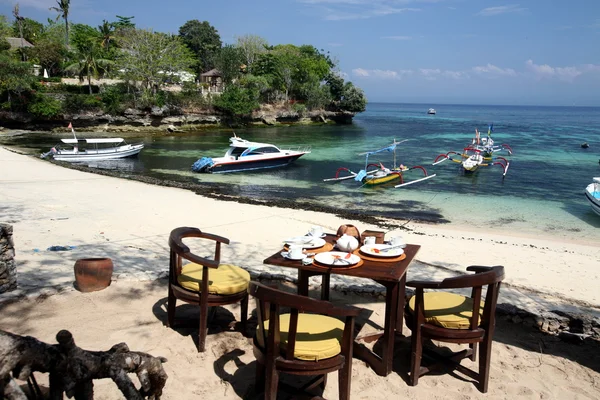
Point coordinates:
[(163, 119)]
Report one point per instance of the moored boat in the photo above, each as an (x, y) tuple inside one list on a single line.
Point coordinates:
[(244, 155), (592, 192), (94, 149), (431, 111)]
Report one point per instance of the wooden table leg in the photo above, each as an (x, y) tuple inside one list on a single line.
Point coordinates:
[(325, 287), (303, 282), (391, 308), (401, 303)]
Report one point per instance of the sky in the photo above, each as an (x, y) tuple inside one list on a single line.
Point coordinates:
[(522, 52)]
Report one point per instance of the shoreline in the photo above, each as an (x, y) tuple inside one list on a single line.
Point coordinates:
[(130, 220)]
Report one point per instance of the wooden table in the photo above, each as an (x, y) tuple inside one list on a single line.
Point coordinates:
[(392, 275)]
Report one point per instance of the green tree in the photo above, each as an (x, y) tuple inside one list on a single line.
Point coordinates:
[(124, 23), (49, 54), (15, 77), (88, 54), (228, 62), (32, 30), (236, 101), (353, 100), (204, 41), (152, 58), (251, 46), (5, 28), (63, 12), (107, 33)]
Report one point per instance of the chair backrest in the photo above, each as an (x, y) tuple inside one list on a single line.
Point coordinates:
[(270, 300), (179, 251), (484, 276)]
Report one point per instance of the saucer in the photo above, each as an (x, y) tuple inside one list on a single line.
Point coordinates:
[(286, 254)]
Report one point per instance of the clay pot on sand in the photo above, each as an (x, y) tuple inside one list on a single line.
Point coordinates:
[(92, 274)]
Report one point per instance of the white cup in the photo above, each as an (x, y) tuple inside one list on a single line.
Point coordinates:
[(398, 241), (295, 251), (370, 240), (316, 231)]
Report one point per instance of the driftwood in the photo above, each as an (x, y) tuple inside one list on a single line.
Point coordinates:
[(72, 369)]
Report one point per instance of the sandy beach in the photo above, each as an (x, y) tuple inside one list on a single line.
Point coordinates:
[(130, 222)]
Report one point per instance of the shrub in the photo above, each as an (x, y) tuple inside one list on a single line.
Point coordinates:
[(112, 98), (82, 102), (45, 107), (300, 109)]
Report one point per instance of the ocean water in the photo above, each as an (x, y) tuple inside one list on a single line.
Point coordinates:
[(542, 193)]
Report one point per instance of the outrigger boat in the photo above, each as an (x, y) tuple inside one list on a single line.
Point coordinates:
[(377, 173), (592, 192), (486, 145), (478, 154)]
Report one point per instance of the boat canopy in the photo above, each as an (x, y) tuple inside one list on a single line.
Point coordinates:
[(93, 141), (597, 179)]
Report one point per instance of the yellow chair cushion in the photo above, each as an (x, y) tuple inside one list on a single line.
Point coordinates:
[(445, 309), (318, 337), (227, 279)]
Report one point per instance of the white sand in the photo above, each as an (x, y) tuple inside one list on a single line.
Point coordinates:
[(130, 222)]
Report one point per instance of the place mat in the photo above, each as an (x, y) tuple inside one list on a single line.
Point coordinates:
[(318, 264), (379, 259), (322, 249)]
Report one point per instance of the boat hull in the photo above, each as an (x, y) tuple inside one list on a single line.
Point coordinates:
[(593, 196), (379, 180), (99, 155), (250, 165)]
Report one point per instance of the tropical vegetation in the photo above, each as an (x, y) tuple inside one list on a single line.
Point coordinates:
[(144, 69)]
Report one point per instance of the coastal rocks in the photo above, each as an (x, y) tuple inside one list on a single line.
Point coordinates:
[(8, 269)]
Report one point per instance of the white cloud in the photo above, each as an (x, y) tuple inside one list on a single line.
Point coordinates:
[(380, 73), (491, 70), (397, 37), (339, 10), (547, 72), (491, 11)]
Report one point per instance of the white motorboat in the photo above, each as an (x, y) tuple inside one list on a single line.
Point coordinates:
[(431, 111), (79, 150), (592, 192), (244, 155), (98, 149)]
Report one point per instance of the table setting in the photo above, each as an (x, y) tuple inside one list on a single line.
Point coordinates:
[(345, 252)]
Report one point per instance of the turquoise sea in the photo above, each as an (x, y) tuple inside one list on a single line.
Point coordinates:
[(542, 191)]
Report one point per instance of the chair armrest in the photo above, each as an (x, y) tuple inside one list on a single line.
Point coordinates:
[(478, 268), (176, 244), (423, 284)]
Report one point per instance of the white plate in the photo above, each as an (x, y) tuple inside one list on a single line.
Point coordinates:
[(374, 250), (337, 258), (307, 242), (286, 254)]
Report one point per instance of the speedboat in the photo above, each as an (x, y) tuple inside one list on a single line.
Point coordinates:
[(244, 155), (431, 111), (592, 192)]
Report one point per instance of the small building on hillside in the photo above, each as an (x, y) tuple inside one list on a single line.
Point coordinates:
[(212, 81), (17, 43)]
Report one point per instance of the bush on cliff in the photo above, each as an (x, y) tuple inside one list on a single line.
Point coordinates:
[(45, 107)]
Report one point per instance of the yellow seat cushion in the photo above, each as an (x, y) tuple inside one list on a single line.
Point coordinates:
[(448, 310), (318, 337), (227, 279)]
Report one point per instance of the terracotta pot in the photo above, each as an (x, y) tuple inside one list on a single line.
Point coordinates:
[(349, 230), (92, 274)]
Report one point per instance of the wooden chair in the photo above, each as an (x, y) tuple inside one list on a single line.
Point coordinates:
[(449, 317), (300, 343), (204, 281)]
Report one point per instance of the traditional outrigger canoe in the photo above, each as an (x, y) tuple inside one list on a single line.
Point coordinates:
[(376, 173), (478, 154)]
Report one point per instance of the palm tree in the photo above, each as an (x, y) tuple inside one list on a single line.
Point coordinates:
[(89, 64), (63, 12), (19, 20), (107, 29)]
